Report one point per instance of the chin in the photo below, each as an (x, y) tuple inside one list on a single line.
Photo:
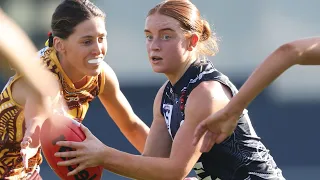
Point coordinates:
[(158, 70), (94, 72)]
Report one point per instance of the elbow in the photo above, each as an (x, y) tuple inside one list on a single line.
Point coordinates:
[(172, 172), (138, 128), (136, 131), (291, 51), (179, 173)]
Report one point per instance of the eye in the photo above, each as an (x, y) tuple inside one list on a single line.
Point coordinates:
[(166, 37), (87, 42), (101, 39), (149, 37)]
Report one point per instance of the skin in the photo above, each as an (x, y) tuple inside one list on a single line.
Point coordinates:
[(30, 69), (36, 91), (162, 157), (218, 126), (88, 41)]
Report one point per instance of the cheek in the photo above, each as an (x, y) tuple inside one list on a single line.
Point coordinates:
[(77, 55), (148, 47), (105, 48), (175, 49)]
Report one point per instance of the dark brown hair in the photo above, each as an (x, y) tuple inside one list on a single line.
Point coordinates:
[(70, 13)]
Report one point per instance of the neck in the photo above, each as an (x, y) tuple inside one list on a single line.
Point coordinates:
[(77, 78), (176, 75)]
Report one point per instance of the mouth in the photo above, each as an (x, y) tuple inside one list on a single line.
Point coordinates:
[(95, 61), (156, 58)]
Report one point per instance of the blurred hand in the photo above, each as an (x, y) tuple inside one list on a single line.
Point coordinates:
[(27, 151), (215, 128), (88, 153)]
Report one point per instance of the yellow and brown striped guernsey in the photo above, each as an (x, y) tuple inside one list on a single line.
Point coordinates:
[(12, 128), (77, 99), (12, 122)]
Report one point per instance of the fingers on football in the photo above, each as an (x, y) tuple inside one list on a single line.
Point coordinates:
[(70, 144), (77, 170)]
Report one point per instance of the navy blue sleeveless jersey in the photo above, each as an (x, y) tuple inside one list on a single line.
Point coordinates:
[(242, 155)]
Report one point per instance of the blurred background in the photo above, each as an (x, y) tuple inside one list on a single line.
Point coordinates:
[(285, 115)]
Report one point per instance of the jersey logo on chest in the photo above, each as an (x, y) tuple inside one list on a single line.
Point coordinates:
[(167, 115)]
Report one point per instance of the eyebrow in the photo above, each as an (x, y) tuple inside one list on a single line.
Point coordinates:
[(164, 29), (89, 36)]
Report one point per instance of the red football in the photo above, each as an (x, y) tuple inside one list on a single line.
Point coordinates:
[(59, 128)]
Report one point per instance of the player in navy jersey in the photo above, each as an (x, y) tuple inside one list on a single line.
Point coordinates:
[(178, 41), (219, 125)]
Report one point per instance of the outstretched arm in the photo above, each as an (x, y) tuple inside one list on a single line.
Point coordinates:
[(19, 51), (120, 110), (303, 52), (17, 48)]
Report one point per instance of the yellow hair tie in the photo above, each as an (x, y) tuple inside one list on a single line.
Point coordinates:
[(50, 40), (47, 43)]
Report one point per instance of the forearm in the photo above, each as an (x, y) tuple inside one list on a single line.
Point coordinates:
[(10, 40), (32, 131), (137, 134), (139, 167), (15, 45), (303, 52), (275, 64), (308, 51)]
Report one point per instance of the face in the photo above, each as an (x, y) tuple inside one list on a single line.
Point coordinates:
[(167, 46), (85, 49)]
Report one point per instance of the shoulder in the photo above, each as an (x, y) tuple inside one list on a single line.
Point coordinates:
[(21, 90), (207, 97), (160, 92), (108, 72), (111, 83), (210, 89)]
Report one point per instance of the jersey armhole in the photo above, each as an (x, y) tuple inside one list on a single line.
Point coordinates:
[(102, 82), (9, 86), (162, 98)]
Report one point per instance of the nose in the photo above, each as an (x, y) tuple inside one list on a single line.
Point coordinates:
[(99, 48), (155, 45)]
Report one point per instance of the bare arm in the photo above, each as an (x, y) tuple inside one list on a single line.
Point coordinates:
[(119, 109), (205, 99), (220, 125), (159, 141), (17, 48), (183, 155), (34, 116), (303, 52)]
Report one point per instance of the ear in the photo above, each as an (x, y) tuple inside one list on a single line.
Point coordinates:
[(58, 44), (194, 39)]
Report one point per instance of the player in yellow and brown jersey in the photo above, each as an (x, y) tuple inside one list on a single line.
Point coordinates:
[(75, 56), (26, 91)]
